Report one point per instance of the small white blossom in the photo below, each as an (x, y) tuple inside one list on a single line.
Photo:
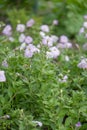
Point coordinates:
[(23, 46), (21, 38), (66, 58), (85, 24), (64, 79), (38, 123), (42, 34), (83, 64), (2, 76), (20, 28), (11, 39)]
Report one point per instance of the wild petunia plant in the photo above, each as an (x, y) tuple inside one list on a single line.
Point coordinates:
[(44, 81)]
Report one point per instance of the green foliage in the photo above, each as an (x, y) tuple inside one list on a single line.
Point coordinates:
[(20, 15), (34, 90)]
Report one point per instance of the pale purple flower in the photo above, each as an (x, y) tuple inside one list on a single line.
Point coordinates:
[(85, 24), (20, 27), (85, 16), (52, 53), (63, 39), (54, 38), (4, 63), (30, 23), (47, 41), (65, 45), (68, 45), (78, 124), (7, 30), (64, 79), (30, 50), (28, 53), (21, 38), (44, 28), (81, 30), (55, 22), (33, 48), (83, 64), (28, 39), (2, 76)]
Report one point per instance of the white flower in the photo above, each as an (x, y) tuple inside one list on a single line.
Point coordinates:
[(85, 24), (11, 39), (38, 123), (23, 46), (42, 34), (39, 46), (2, 76), (21, 38), (5, 117), (49, 54), (66, 58), (64, 79), (20, 28)]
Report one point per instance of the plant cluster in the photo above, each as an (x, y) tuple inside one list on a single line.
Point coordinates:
[(42, 79)]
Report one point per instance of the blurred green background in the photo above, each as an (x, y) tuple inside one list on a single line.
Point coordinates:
[(69, 13)]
